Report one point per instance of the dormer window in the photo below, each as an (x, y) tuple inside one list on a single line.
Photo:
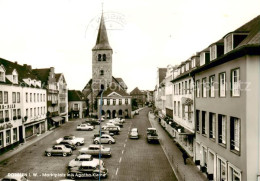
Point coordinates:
[(193, 63), (204, 58), (182, 69), (104, 57), (187, 66), (15, 79), (232, 40), (2, 74), (213, 52)]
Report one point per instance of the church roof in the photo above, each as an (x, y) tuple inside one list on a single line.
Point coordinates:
[(102, 39)]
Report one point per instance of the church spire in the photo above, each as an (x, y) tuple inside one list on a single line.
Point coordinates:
[(102, 39)]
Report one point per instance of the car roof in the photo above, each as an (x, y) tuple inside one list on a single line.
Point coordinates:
[(151, 128), (95, 146), (84, 156), (134, 129), (89, 163)]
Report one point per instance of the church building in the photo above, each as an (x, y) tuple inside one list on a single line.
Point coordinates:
[(116, 101)]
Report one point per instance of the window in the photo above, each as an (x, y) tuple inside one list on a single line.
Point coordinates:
[(193, 63), (108, 101), (34, 97), (1, 139), (37, 97), (99, 57), (6, 97), (211, 86), (174, 107), (234, 175), (197, 120), (76, 107), (1, 97), (8, 137), (26, 114), (182, 86), (235, 83), (204, 88), (183, 111), (235, 134), (14, 97), (222, 124), (1, 117), (202, 58), (189, 87), (126, 101), (101, 72), (203, 122), (213, 52), (104, 57), (43, 97), (34, 111), (6, 114), (228, 43), (221, 170), (179, 89), (26, 97), (2, 77), (18, 97), (114, 101), (186, 87), (31, 112), (14, 112), (212, 125), (120, 101), (222, 84), (38, 110), (187, 66), (179, 105), (197, 88), (15, 79), (189, 112), (30, 97), (14, 134)]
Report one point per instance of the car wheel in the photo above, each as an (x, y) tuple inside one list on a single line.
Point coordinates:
[(96, 176), (78, 144), (109, 142), (96, 142), (64, 154), (48, 154)]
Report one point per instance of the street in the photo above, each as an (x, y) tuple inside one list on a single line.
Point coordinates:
[(131, 159)]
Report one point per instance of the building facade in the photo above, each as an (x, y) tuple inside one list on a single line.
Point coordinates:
[(22, 104), (227, 106), (139, 96), (77, 104)]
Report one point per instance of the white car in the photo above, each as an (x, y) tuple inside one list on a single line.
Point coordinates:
[(110, 124), (74, 139), (84, 158), (134, 133), (95, 149), (86, 127), (105, 138)]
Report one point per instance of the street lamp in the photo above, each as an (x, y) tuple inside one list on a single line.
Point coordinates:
[(101, 100)]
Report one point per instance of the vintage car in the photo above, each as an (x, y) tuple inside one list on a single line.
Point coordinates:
[(152, 135), (87, 170), (68, 144), (84, 158), (105, 138), (103, 132), (134, 133), (58, 150), (95, 150), (74, 139), (111, 129), (85, 126)]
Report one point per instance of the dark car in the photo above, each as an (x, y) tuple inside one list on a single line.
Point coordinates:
[(112, 129), (92, 121), (68, 144)]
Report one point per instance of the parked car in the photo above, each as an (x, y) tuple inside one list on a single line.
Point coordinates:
[(87, 170), (120, 120), (105, 138), (68, 144), (58, 150), (134, 133), (111, 129), (103, 132), (95, 149), (15, 177), (111, 124), (116, 123), (84, 158), (152, 135), (92, 121), (74, 139), (85, 126)]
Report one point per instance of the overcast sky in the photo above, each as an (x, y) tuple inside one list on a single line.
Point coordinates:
[(144, 34)]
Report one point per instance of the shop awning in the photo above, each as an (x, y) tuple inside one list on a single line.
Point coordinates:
[(56, 119)]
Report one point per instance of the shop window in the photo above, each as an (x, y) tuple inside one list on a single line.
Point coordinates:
[(8, 137)]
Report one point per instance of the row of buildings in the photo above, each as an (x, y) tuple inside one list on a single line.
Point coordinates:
[(210, 104), (32, 101), (141, 97)]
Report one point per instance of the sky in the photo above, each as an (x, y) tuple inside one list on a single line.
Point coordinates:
[(144, 34)]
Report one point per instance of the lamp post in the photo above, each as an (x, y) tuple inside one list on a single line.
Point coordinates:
[(101, 100)]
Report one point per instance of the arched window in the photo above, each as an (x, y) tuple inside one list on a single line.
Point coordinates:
[(101, 72), (104, 57), (102, 87), (99, 57)]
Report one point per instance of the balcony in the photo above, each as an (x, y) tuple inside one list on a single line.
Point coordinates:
[(55, 91)]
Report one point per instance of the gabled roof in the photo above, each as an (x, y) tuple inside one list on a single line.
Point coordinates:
[(116, 89), (75, 95), (102, 39), (119, 82), (24, 71), (43, 74), (57, 76), (136, 91)]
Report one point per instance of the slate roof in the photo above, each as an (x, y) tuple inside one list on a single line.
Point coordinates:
[(102, 39), (76, 95), (24, 71)]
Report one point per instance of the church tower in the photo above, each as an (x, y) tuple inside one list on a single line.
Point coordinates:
[(101, 60)]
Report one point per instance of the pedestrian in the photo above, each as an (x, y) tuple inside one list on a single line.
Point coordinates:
[(184, 156)]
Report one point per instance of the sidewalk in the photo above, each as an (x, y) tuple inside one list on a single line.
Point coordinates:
[(183, 172), (22, 146)]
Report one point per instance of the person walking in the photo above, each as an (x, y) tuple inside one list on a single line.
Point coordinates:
[(184, 156)]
